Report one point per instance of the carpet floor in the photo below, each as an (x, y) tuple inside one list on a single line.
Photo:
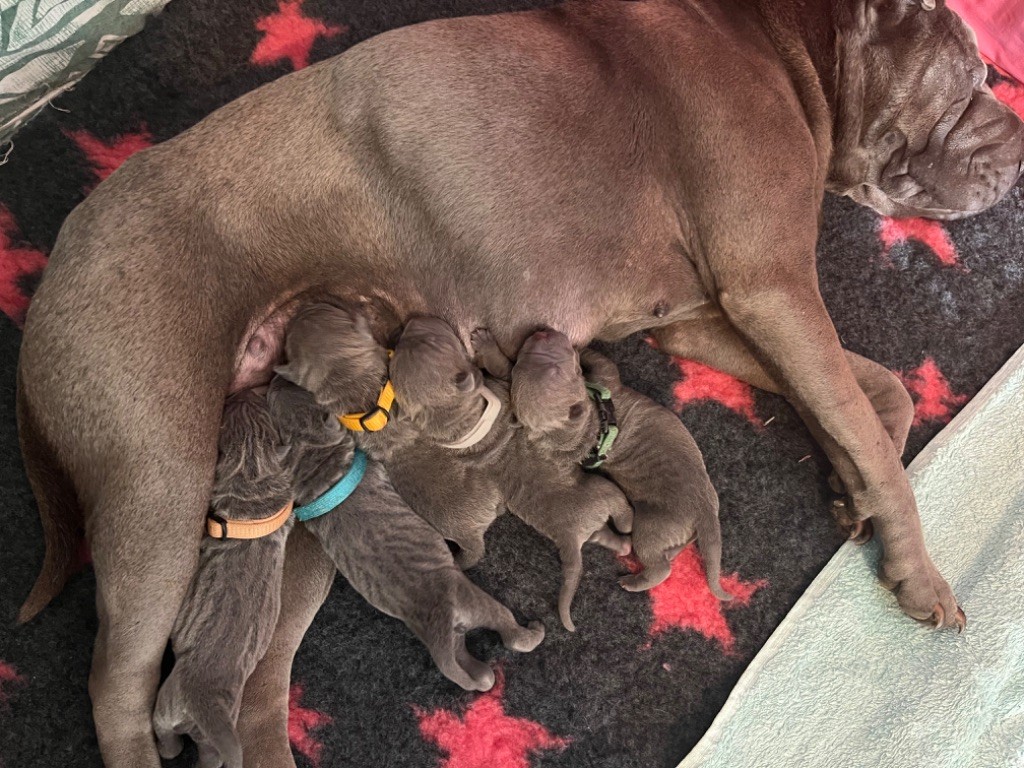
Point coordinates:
[(645, 674)]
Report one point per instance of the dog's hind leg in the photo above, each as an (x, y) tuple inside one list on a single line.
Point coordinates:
[(263, 720), (486, 611), (713, 341), (145, 534)]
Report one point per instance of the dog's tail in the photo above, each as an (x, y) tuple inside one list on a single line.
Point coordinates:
[(709, 541), (572, 570), (59, 512)]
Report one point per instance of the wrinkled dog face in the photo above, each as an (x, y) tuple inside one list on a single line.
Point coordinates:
[(548, 391), (918, 132), (431, 369)]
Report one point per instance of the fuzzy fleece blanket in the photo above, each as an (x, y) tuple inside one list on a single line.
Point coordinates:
[(645, 675), (839, 671)]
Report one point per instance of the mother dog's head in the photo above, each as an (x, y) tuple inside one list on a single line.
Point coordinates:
[(918, 132)]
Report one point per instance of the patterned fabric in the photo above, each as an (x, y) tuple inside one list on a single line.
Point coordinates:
[(46, 46), (644, 675)]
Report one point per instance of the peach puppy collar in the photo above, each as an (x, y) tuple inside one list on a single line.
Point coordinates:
[(221, 528)]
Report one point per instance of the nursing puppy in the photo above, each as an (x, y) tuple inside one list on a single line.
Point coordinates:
[(229, 614), (389, 555), (448, 448), (442, 394), (654, 459)]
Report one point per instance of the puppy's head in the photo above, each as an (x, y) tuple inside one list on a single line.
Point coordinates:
[(432, 371), (299, 418), (548, 391), (332, 353), (918, 131)]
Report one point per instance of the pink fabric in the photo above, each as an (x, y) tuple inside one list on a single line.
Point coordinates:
[(999, 25)]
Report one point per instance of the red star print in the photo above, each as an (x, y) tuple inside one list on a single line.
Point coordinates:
[(17, 262), (8, 676), (105, 157), (701, 382), (288, 34), (300, 722), (486, 737), (684, 600), (930, 233), (934, 400)]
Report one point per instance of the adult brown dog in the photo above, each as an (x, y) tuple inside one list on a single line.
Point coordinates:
[(578, 168)]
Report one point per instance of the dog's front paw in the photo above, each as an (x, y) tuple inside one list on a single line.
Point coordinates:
[(925, 596)]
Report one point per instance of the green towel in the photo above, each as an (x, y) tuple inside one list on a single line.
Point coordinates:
[(847, 681)]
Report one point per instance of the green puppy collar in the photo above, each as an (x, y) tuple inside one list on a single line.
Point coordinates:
[(608, 428)]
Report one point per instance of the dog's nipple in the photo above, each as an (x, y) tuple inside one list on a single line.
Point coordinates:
[(660, 309)]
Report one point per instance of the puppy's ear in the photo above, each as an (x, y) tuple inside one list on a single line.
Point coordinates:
[(286, 373), (465, 382)]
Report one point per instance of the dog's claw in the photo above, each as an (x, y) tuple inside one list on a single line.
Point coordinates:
[(861, 532), (938, 619), (960, 620), (858, 531)]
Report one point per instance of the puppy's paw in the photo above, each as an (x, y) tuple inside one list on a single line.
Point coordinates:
[(169, 745), (525, 640), (635, 582), (482, 340)]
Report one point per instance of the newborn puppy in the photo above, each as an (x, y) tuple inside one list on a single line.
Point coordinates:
[(545, 484), (442, 396), (653, 459), (391, 556), (228, 617), (449, 445)]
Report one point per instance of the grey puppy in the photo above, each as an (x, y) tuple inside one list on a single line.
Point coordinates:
[(607, 183), (460, 491), (654, 459), (390, 556), (438, 387), (230, 611)]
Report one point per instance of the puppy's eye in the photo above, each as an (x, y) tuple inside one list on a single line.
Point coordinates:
[(576, 411)]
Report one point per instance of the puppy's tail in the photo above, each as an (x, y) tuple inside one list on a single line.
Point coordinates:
[(709, 541), (572, 570), (59, 513)]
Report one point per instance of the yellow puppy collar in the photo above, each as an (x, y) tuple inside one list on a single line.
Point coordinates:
[(222, 528), (376, 419)]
